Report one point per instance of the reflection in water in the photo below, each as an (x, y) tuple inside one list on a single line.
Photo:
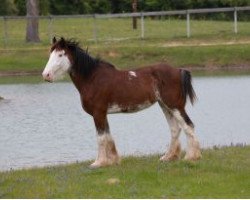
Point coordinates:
[(43, 124)]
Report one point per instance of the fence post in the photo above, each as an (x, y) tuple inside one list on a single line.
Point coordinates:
[(94, 28), (188, 24), (235, 21), (142, 25), (51, 28), (5, 29)]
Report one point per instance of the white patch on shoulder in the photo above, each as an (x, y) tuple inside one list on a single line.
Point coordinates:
[(132, 73)]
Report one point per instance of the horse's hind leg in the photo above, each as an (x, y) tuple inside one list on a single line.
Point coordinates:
[(173, 153), (193, 147), (107, 153)]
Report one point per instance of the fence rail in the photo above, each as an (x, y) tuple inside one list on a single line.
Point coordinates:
[(140, 15), (137, 14)]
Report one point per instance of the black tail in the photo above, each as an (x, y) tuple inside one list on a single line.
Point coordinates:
[(187, 88)]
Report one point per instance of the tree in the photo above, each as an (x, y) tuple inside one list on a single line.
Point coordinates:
[(134, 9), (32, 34)]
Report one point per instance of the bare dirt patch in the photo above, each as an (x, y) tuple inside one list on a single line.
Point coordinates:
[(202, 43)]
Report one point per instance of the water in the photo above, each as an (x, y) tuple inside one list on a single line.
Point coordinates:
[(43, 124)]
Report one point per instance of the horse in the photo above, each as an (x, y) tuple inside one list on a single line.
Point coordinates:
[(105, 90)]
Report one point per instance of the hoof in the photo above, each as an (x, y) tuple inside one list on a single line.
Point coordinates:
[(167, 158), (173, 153), (98, 164), (193, 157)]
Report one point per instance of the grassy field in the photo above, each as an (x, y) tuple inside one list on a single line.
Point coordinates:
[(119, 30), (165, 40), (222, 173), (206, 57)]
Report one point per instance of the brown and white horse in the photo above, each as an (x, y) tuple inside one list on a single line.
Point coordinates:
[(104, 90)]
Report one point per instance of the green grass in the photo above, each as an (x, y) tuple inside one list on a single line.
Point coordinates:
[(165, 41), (119, 29), (129, 57), (222, 173), (21, 79), (24, 60)]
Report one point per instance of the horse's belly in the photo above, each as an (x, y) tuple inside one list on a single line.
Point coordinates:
[(116, 108), (133, 95)]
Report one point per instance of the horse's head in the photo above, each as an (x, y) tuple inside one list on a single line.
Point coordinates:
[(59, 62)]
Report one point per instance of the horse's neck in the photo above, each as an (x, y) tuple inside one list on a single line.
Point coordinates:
[(82, 83), (78, 81)]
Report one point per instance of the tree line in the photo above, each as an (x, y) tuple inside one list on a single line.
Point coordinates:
[(69, 7)]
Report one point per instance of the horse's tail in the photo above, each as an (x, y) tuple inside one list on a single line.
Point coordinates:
[(187, 88)]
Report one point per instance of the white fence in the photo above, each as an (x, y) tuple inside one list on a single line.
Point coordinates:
[(6, 32), (178, 12)]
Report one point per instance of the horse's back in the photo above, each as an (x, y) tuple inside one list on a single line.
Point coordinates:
[(135, 85), (169, 84)]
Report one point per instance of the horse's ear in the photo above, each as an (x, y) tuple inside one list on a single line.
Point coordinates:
[(54, 40), (62, 42)]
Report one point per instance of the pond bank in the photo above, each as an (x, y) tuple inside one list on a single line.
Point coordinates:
[(19, 73), (127, 57), (193, 68)]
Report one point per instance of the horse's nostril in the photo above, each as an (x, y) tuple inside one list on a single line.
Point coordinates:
[(47, 76)]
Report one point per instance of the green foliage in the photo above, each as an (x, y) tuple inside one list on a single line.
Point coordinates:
[(8, 7), (44, 7), (59, 7), (21, 7), (101, 6), (68, 7), (121, 6)]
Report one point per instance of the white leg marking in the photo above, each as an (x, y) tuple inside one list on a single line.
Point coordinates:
[(107, 154), (193, 148), (174, 150)]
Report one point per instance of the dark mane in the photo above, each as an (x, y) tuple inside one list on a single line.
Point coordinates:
[(83, 63)]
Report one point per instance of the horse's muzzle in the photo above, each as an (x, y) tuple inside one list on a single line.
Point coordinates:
[(47, 77)]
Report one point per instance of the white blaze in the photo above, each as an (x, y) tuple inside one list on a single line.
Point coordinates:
[(58, 65)]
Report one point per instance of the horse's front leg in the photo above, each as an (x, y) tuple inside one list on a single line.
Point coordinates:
[(107, 153)]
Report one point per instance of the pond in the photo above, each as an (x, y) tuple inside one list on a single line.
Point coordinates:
[(44, 124)]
